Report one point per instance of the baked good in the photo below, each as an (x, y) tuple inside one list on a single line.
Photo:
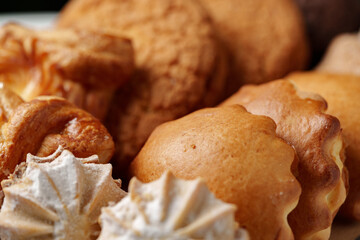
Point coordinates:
[(318, 142), (57, 197), (327, 18), (342, 94), (170, 208), (264, 42), (81, 66), (41, 125), (342, 56), (179, 65), (239, 157)]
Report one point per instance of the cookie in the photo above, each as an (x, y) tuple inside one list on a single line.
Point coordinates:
[(264, 42), (342, 94), (41, 125), (179, 65), (317, 139), (82, 66), (240, 158), (342, 56)]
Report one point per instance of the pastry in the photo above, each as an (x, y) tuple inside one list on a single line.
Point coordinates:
[(318, 142), (84, 67), (240, 158), (179, 65), (41, 125), (342, 56), (170, 208), (342, 94), (264, 42), (57, 197), (327, 18)]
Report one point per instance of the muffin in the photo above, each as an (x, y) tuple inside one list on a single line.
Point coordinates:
[(317, 139), (342, 94), (239, 157)]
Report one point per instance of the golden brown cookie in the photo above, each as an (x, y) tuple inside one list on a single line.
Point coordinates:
[(342, 56), (318, 142), (265, 42), (342, 92), (179, 66), (84, 67), (41, 125), (240, 158)]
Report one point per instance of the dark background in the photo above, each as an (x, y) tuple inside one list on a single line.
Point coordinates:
[(9, 6)]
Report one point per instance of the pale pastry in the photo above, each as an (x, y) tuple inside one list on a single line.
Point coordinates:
[(317, 139), (342, 92), (239, 157), (179, 64), (342, 56), (170, 208), (57, 197), (84, 67), (41, 125)]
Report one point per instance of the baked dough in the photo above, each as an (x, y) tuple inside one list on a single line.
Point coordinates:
[(81, 66), (342, 56), (179, 65), (264, 42), (240, 158), (41, 125), (318, 142), (342, 92)]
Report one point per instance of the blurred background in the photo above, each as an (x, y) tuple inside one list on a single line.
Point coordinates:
[(9, 6)]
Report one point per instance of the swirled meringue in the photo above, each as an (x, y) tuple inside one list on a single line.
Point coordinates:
[(170, 208), (57, 197)]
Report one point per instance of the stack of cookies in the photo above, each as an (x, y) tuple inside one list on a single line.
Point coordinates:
[(164, 92)]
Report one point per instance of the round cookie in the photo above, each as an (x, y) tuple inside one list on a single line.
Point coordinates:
[(342, 56), (317, 139), (240, 158), (179, 65), (342, 92), (82, 66), (264, 42), (327, 18)]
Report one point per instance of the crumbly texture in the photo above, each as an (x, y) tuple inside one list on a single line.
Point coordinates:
[(325, 19), (179, 66), (317, 139), (342, 56), (84, 67), (264, 42), (41, 125), (240, 158), (342, 94)]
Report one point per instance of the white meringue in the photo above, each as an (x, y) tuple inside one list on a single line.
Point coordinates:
[(57, 197), (169, 208)]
